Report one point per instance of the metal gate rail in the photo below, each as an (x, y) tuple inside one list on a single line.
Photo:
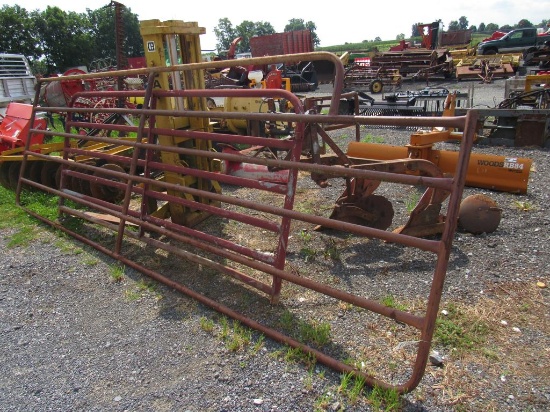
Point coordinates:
[(135, 215)]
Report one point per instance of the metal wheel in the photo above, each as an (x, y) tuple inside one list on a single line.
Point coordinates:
[(13, 174), (48, 174), (210, 103), (376, 86), (4, 175), (34, 170), (106, 192)]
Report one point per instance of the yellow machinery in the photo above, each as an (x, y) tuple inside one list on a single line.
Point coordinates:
[(166, 44), (502, 173), (537, 80)]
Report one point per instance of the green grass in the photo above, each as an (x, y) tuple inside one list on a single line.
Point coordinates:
[(524, 206), (117, 272), (132, 295), (16, 218), (317, 333), (459, 331), (366, 47), (391, 302), (331, 251), (369, 138), (412, 200), (384, 399)]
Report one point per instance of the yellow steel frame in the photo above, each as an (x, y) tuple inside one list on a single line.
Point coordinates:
[(170, 43)]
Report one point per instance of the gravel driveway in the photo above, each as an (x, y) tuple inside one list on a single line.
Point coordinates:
[(77, 335)]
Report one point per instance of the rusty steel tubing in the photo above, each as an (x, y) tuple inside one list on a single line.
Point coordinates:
[(220, 177), (151, 71), (362, 302), (282, 164), (299, 115), (350, 120), (106, 207), (424, 244), (269, 332), (374, 306), (213, 246), (442, 261)]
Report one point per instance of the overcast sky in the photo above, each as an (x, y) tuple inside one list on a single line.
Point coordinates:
[(337, 23)]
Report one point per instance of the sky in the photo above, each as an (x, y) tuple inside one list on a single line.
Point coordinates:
[(351, 23)]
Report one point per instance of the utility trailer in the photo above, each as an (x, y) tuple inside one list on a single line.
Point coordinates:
[(17, 82), (302, 74)]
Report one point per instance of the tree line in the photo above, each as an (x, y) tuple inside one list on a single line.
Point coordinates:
[(226, 33), (54, 40)]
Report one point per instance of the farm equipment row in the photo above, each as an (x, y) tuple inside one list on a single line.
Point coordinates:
[(157, 171)]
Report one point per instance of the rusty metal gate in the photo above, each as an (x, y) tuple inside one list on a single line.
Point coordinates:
[(127, 187)]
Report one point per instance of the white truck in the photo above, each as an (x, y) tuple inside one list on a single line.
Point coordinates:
[(17, 83)]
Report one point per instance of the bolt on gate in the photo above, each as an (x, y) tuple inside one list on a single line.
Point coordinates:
[(164, 191)]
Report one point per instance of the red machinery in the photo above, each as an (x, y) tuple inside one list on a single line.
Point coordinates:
[(14, 127)]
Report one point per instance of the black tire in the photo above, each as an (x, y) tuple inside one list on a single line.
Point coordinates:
[(490, 52)]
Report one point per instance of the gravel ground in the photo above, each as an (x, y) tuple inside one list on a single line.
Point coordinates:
[(74, 338)]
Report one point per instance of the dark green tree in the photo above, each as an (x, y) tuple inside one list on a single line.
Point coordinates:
[(248, 29), (491, 27), (481, 27), (18, 34), (298, 24), (225, 34), (414, 30), (506, 27), (454, 25), (245, 30), (103, 29), (463, 23), (524, 23), (263, 28), (65, 39)]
